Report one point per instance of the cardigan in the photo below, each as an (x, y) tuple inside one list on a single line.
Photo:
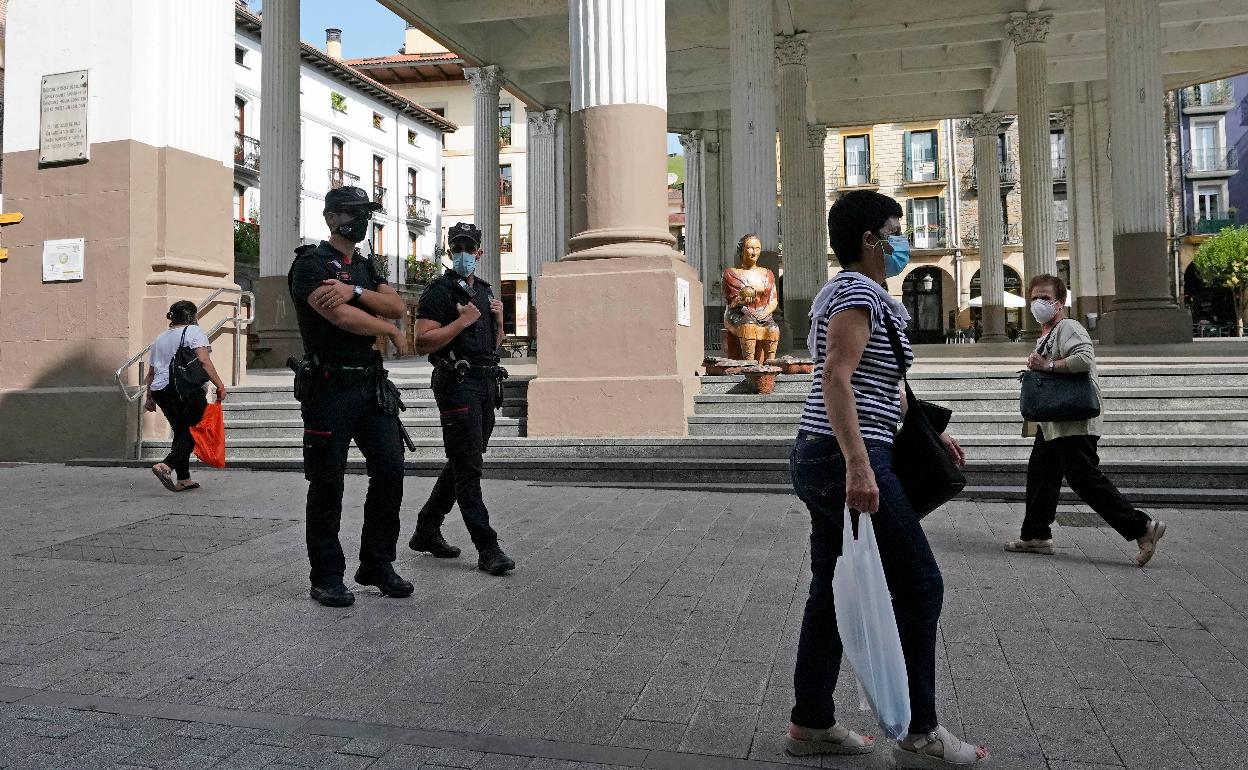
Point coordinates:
[(1069, 340)]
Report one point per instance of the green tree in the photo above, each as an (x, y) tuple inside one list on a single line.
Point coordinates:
[(1223, 261)]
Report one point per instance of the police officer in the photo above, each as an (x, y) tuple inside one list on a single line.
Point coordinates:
[(460, 326), (338, 297)]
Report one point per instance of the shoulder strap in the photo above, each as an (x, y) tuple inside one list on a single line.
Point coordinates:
[(899, 354)]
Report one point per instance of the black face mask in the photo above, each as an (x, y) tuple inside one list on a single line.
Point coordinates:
[(355, 229)]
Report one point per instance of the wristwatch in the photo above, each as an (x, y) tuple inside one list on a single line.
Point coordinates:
[(359, 292)]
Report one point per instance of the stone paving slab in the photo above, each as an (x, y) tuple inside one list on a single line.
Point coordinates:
[(642, 629)]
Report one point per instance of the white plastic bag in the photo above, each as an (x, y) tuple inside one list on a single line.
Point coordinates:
[(864, 615)]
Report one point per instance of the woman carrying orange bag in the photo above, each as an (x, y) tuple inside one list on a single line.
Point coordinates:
[(209, 436)]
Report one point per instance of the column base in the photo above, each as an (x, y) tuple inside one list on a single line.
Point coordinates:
[(993, 320), (614, 360), (1145, 326), (275, 333), (994, 338), (795, 326)]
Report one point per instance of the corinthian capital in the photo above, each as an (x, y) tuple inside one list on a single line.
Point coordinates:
[(690, 140), (484, 80), (1028, 28), (816, 134), (791, 49), (983, 124), (543, 123), (1065, 117)]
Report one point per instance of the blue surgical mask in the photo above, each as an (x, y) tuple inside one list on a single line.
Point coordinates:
[(464, 263), (896, 262)]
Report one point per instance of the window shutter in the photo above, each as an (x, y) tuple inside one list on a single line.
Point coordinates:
[(908, 168), (936, 154), (909, 214), (940, 211)]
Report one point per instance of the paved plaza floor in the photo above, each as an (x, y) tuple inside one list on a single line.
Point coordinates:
[(642, 628)]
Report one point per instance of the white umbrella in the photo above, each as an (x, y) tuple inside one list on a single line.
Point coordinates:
[(1009, 300)]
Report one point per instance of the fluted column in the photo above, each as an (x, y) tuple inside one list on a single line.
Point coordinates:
[(1065, 118), (486, 82), (712, 217), (1028, 33), (753, 78), (545, 243), (1144, 311), (816, 211), (985, 128), (801, 273), (279, 178), (695, 201)]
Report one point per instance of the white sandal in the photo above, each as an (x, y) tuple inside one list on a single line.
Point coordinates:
[(937, 750), (1149, 547), (837, 739)]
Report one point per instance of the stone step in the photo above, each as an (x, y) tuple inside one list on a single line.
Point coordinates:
[(411, 389), (939, 382), (417, 427), (289, 410)]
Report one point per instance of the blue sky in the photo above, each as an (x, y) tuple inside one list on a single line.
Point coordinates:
[(368, 29)]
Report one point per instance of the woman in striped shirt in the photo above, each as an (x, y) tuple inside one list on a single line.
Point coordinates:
[(843, 457)]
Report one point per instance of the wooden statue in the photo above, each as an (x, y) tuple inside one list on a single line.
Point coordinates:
[(750, 298)]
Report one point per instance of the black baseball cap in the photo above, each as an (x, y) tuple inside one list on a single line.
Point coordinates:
[(348, 199), (464, 231)]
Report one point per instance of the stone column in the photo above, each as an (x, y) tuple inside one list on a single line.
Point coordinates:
[(752, 56), (545, 242), (1080, 197), (1065, 117), (486, 82), (276, 326), (816, 212), (695, 202), (1144, 311), (1028, 33), (801, 268), (621, 324), (712, 208), (985, 128)]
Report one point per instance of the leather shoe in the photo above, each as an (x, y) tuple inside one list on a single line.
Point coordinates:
[(434, 543), (335, 595), (495, 562), (386, 580)]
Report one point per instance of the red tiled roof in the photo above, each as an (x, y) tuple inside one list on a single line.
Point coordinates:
[(403, 58)]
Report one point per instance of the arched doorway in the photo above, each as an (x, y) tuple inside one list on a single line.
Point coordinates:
[(921, 292), (1209, 305), (1013, 315)]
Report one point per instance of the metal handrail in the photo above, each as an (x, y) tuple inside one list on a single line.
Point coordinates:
[(239, 321)]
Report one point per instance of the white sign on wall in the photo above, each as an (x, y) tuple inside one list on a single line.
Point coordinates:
[(682, 302), (63, 259), (63, 118)]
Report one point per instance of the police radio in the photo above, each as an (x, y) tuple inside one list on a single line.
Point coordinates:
[(463, 287)]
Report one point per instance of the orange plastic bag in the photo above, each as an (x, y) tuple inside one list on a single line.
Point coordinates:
[(209, 437)]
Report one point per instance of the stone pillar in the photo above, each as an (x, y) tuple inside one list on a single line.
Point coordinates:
[(712, 218), (1144, 311), (276, 325), (816, 211), (545, 242), (985, 128), (1080, 197), (801, 268), (1065, 117), (486, 82), (695, 202), (621, 325), (752, 56), (1028, 33)]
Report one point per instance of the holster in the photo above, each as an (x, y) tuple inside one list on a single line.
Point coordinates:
[(305, 376)]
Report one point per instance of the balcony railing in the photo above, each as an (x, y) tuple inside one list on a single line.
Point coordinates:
[(418, 211), (340, 178), (1210, 223), (379, 197), (1062, 229), (1220, 94), (1008, 171), (860, 175), (1011, 235), (1210, 160), (928, 237), (1058, 165), (246, 154)]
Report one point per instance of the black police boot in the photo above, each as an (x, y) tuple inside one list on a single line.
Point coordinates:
[(385, 579), (495, 562), (434, 543), (332, 595)]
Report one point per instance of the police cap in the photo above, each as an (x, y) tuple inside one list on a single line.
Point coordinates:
[(464, 231), (349, 199)]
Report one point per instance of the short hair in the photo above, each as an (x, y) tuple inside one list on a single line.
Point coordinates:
[(183, 312), (1057, 284), (853, 214)]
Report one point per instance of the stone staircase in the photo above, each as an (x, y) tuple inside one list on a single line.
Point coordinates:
[(1174, 435)]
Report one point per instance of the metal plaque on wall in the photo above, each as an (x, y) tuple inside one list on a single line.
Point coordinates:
[(63, 118)]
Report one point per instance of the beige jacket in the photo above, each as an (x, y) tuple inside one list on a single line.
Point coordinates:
[(1072, 342)]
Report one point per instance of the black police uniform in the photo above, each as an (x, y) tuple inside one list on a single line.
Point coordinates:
[(340, 405), (466, 405)]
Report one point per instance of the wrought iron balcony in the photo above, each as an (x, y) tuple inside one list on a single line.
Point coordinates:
[(1062, 230), (920, 173), (1210, 160), (418, 211), (1008, 171), (246, 154), (1011, 235), (1058, 165), (928, 237), (340, 178), (1210, 223), (379, 197), (860, 175), (1217, 96)]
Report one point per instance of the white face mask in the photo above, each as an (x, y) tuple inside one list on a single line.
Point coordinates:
[(1043, 311)]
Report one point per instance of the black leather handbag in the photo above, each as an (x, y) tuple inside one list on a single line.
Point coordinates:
[(186, 371), (1057, 397), (928, 475)]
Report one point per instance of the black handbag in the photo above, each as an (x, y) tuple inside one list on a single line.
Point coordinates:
[(928, 475), (1057, 397), (186, 371)]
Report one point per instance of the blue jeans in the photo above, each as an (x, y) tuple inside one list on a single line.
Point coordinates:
[(818, 470)]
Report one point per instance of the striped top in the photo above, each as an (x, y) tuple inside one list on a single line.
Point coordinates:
[(877, 380)]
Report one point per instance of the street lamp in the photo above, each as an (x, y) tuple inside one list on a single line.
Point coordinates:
[(927, 283)]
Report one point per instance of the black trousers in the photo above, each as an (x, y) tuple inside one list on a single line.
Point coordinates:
[(1075, 458), (467, 410), (182, 416), (332, 417)]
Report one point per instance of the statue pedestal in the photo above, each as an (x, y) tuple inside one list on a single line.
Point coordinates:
[(614, 360)]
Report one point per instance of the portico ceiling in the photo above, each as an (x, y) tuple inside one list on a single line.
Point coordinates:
[(869, 62)]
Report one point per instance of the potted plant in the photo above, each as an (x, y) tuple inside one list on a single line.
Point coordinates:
[(761, 378)]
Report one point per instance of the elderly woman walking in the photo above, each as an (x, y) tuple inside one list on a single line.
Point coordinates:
[(1068, 447)]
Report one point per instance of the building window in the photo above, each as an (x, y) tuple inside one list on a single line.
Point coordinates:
[(240, 113), (1209, 202), (857, 160), (1061, 218), (504, 185), (240, 55), (504, 125), (240, 203), (379, 178), (378, 121), (509, 307), (441, 113), (1057, 154), (442, 199), (411, 137), (925, 222), (337, 101), (921, 151), (379, 238), (504, 239), (337, 152), (413, 244), (413, 182), (1003, 148)]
